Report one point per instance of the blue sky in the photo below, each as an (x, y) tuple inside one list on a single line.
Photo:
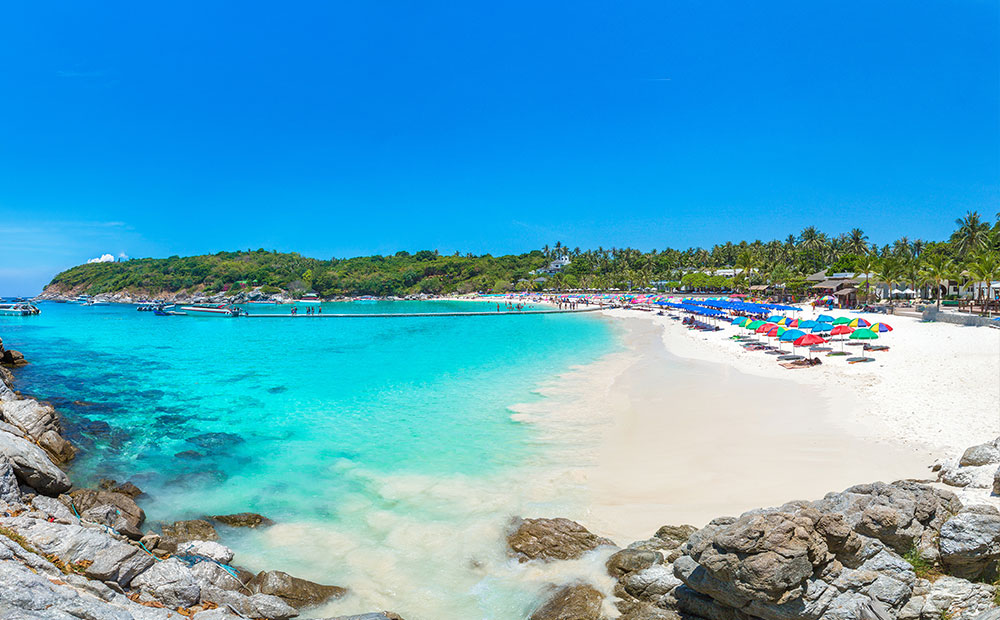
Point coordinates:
[(338, 129)]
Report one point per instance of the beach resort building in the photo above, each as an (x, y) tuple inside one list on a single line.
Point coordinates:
[(554, 266)]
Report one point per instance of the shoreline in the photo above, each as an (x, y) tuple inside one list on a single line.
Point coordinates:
[(630, 469), (655, 447)]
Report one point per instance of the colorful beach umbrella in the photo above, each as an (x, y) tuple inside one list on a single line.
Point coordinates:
[(741, 320), (880, 327), (775, 331), (807, 340), (825, 299), (859, 323), (792, 335), (863, 334)]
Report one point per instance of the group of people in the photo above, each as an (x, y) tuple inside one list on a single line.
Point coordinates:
[(309, 310), (509, 307)]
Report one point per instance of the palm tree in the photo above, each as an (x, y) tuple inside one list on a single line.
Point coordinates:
[(857, 242), (888, 272), (811, 238), (938, 269), (866, 265), (984, 269), (972, 235), (746, 261)]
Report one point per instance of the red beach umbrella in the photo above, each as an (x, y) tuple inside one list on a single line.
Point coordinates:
[(763, 329), (808, 340), (841, 329)]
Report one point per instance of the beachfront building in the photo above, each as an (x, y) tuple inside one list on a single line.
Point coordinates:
[(554, 266), (842, 286)]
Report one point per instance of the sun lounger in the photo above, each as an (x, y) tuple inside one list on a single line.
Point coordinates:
[(876, 347), (803, 363), (859, 360)]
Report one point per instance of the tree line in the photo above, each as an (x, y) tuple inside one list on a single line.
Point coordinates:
[(970, 254)]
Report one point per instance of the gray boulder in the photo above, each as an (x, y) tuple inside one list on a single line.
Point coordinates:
[(213, 575), (53, 508), (184, 531), (243, 519), (667, 540), (208, 549), (253, 606), (969, 542), (983, 454), (57, 447), (33, 418), (631, 560), (949, 597), (573, 602), (9, 491), (294, 591), (170, 582), (828, 559), (651, 584), (32, 466), (551, 539), (127, 512), (119, 563)]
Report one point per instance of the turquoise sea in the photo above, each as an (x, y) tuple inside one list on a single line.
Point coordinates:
[(378, 445)]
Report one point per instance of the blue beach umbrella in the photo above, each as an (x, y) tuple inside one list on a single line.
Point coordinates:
[(792, 335), (805, 324), (820, 328), (824, 318), (774, 318)]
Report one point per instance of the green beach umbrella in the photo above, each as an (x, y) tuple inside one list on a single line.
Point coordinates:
[(754, 324), (841, 320), (863, 334)]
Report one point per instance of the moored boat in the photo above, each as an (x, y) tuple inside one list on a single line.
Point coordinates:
[(19, 309)]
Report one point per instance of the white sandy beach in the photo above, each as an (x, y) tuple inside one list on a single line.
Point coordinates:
[(685, 426)]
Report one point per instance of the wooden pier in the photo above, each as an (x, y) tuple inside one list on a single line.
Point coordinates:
[(393, 315)]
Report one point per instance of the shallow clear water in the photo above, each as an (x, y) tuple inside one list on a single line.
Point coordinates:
[(377, 444)]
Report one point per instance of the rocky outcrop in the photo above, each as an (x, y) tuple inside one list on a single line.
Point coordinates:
[(111, 508), (825, 559), (32, 466), (171, 582), (243, 519), (185, 531), (294, 591), (551, 539), (26, 418), (969, 542), (573, 602), (977, 468)]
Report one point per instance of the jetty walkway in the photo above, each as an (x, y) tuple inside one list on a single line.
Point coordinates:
[(393, 315)]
